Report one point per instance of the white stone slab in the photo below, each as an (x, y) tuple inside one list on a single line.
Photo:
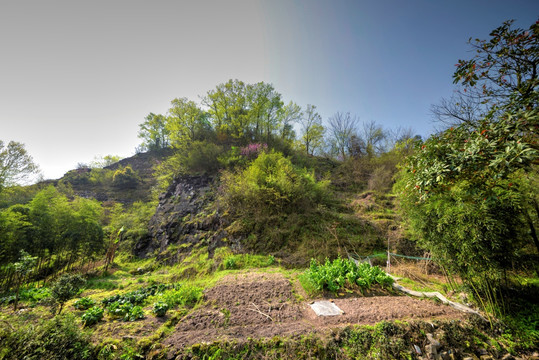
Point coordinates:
[(326, 308)]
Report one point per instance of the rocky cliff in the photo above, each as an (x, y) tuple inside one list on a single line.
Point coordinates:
[(186, 215)]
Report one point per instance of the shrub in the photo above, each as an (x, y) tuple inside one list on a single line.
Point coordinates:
[(84, 303), (271, 185), (186, 296), (92, 316), (65, 288), (125, 178), (160, 308), (56, 339)]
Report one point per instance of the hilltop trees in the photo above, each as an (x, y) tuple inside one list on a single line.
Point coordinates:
[(312, 130), (16, 165), (154, 133)]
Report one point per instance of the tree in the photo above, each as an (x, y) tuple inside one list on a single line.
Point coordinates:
[(373, 136), (65, 288), (469, 192), (16, 166), (342, 129), (186, 122), (154, 132), (228, 109), (265, 107), (503, 71), (22, 269), (290, 115), (312, 130)]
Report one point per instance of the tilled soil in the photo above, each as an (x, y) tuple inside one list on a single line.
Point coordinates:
[(263, 305)]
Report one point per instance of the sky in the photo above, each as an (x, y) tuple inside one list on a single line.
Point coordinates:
[(78, 77)]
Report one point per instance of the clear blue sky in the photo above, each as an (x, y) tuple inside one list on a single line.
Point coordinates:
[(76, 78)]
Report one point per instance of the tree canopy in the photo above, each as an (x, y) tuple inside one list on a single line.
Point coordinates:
[(16, 165)]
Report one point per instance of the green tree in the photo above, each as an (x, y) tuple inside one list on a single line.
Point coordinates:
[(265, 107), (65, 288), (228, 108), (22, 269), (154, 132), (16, 166), (290, 115), (186, 123), (312, 130), (503, 71), (468, 192)]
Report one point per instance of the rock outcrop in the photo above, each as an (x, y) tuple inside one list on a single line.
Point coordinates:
[(183, 216)]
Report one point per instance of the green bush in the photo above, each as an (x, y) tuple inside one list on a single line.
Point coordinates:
[(125, 178), (127, 311), (336, 274), (202, 157), (57, 339), (84, 303), (65, 288), (160, 308), (92, 316), (35, 294), (272, 185), (186, 296)]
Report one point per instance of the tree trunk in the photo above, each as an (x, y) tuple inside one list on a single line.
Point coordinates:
[(532, 228)]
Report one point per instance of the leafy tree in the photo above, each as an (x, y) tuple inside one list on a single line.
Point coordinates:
[(312, 130), (468, 192), (503, 71), (265, 108), (22, 269), (154, 133), (65, 288), (463, 193), (16, 166), (187, 122), (228, 108)]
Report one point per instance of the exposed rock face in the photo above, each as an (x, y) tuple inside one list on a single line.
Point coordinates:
[(179, 217)]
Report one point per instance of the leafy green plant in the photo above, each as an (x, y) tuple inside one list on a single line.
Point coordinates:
[(138, 297), (336, 274), (65, 288), (134, 313), (59, 338), (84, 303), (186, 296), (127, 311), (160, 308), (125, 178), (230, 263), (92, 316)]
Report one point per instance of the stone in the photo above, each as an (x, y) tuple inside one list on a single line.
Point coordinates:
[(433, 341), (445, 355), (431, 350)]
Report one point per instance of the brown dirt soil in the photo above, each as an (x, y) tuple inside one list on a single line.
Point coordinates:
[(263, 305)]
